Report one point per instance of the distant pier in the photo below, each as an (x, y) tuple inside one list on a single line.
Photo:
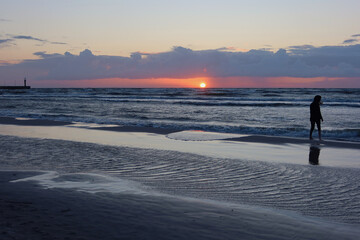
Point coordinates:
[(16, 87)]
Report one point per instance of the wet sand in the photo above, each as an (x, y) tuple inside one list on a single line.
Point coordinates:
[(220, 145), (30, 210)]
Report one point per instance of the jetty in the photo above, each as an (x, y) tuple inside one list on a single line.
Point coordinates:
[(16, 87)]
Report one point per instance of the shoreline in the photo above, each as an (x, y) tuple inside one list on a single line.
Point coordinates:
[(249, 138), (31, 122)]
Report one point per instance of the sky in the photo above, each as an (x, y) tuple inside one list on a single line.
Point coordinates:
[(162, 43)]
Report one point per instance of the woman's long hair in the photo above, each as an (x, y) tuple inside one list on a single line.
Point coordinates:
[(317, 99)]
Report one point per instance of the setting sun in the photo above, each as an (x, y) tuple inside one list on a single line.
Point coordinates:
[(202, 85)]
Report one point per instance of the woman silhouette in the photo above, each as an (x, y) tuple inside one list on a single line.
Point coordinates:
[(315, 115)]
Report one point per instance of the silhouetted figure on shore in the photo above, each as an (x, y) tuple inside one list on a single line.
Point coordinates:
[(314, 155), (315, 116)]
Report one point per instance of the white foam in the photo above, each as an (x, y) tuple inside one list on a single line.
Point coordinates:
[(86, 182)]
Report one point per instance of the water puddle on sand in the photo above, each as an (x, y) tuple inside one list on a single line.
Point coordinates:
[(203, 143)]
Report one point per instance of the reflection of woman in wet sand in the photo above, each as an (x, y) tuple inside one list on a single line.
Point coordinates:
[(315, 115), (314, 155)]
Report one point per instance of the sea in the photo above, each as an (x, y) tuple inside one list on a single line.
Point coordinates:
[(273, 112)]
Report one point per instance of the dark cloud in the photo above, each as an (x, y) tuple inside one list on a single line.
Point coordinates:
[(304, 61), (5, 42), (45, 55), (4, 20), (25, 37), (28, 38), (352, 40)]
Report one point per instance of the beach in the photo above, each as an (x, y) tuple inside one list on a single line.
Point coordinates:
[(83, 181), (179, 120)]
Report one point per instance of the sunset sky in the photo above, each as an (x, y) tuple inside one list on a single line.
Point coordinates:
[(162, 43)]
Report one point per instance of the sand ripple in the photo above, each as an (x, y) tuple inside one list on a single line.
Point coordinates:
[(326, 192)]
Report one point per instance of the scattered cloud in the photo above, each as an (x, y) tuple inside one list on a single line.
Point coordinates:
[(304, 61), (25, 37), (28, 38), (45, 55), (5, 42), (59, 43), (352, 40), (4, 20)]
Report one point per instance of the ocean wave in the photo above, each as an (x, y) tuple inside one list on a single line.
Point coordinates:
[(350, 97), (261, 104), (189, 123), (282, 112), (238, 104)]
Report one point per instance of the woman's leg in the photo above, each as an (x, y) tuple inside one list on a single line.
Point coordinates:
[(318, 124), (312, 129)]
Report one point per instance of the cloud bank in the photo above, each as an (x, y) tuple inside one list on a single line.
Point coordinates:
[(304, 61)]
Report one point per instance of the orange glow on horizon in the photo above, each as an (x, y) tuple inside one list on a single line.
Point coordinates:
[(126, 83), (224, 82)]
